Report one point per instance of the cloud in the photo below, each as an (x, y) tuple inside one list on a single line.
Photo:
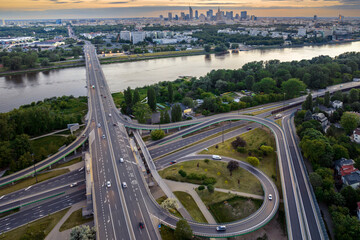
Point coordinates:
[(216, 3), (117, 2)]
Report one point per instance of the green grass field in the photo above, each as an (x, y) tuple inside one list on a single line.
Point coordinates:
[(188, 202), (254, 139), (227, 207), (216, 169), (30, 181), (36, 230), (75, 219)]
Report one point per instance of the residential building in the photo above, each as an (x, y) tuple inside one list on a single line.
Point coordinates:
[(125, 35), (138, 37), (301, 32), (321, 118), (352, 179), (342, 162), (356, 135), (337, 104), (328, 111)]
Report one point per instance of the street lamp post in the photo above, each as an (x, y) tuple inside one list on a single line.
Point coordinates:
[(32, 155)]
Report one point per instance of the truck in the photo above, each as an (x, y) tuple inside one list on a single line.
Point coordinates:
[(277, 116), (93, 86)]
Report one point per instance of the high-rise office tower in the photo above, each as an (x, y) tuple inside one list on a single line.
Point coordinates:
[(243, 15), (182, 16), (191, 13), (196, 14), (210, 14), (170, 16), (315, 17)]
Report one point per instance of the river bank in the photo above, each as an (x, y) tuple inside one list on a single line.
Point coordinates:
[(161, 55)]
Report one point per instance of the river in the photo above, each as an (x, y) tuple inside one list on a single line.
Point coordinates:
[(25, 88)]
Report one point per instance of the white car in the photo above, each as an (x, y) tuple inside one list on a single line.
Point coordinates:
[(124, 185), (99, 125), (73, 184), (121, 160), (270, 197), (108, 184), (109, 114), (103, 136), (216, 157)]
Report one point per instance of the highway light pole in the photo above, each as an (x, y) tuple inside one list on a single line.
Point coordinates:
[(222, 127), (32, 155)]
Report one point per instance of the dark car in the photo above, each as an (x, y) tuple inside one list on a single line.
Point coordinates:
[(141, 225), (172, 162), (249, 128)]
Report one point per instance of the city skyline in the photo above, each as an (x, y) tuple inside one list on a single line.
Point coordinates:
[(24, 9)]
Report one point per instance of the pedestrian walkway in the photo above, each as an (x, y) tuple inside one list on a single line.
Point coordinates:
[(64, 235)]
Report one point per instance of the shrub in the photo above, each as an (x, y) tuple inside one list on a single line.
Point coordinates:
[(195, 176), (157, 134), (207, 161), (171, 178), (266, 150), (253, 161), (182, 173), (209, 180), (201, 187)]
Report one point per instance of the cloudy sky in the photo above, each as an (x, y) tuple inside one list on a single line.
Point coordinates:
[(26, 9)]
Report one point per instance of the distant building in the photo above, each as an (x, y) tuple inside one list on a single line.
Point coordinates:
[(243, 15), (169, 16), (337, 104), (315, 17), (138, 37), (196, 14), (191, 13), (125, 35), (58, 21), (302, 32)]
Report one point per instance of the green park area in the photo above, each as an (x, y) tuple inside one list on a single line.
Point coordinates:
[(75, 219), (254, 140), (42, 147), (38, 229), (226, 207), (205, 172), (188, 202)]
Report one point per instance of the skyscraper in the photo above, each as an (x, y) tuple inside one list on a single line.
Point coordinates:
[(243, 15), (196, 14), (170, 16), (210, 14), (191, 13)]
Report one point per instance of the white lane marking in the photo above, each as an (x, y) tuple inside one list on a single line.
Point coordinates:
[(28, 188)]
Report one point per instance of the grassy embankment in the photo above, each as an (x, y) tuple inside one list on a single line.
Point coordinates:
[(38, 229), (172, 211), (254, 139), (226, 207), (188, 202), (75, 219), (69, 163), (248, 182)]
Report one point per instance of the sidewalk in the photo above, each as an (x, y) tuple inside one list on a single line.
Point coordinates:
[(64, 235)]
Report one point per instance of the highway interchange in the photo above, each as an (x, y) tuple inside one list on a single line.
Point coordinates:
[(118, 210)]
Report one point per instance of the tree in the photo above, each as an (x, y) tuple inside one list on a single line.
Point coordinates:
[(126, 47), (351, 197), (232, 165), (157, 134), (345, 225), (188, 101), (315, 180), (142, 112), (83, 232), (128, 100), (293, 87), (170, 92), (151, 98), (349, 121), (249, 82), (234, 46), (170, 203), (210, 188), (183, 230), (15, 63), (327, 99), (201, 187), (238, 142), (176, 113), (253, 161), (308, 104), (5, 61), (308, 115), (353, 95), (45, 62), (136, 97), (21, 145), (266, 85), (340, 152), (207, 48), (182, 173)]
